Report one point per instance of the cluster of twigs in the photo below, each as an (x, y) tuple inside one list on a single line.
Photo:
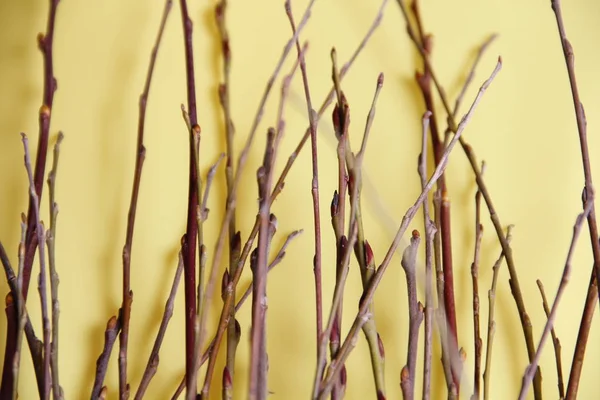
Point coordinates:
[(438, 310)]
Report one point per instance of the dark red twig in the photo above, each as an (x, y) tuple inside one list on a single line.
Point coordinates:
[(110, 337), (189, 248)]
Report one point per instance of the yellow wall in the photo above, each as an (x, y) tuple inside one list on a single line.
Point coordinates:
[(524, 129)]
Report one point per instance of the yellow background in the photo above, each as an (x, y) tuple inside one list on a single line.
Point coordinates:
[(524, 129)]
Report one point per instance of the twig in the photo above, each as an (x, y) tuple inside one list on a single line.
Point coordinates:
[(258, 354), (224, 316), (555, 342), (191, 233), (591, 302), (110, 336), (430, 231), (367, 297), (588, 197), (315, 180), (530, 370), (491, 331), (46, 328), (224, 90), (57, 390), (514, 281), (11, 368), (415, 315), (125, 311), (152, 365), (478, 343)]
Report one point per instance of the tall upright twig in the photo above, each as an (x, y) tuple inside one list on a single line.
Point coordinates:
[(530, 370), (42, 287), (224, 90), (125, 311), (367, 297), (477, 342), (430, 231), (191, 232), (315, 181), (588, 197), (57, 390)]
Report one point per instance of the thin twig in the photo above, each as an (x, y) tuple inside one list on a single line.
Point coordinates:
[(191, 233), (42, 287), (491, 331), (152, 365), (430, 231), (315, 179), (110, 336), (588, 197), (140, 156), (555, 342), (514, 281), (415, 315), (367, 297), (57, 390), (530, 370), (224, 96), (477, 341)]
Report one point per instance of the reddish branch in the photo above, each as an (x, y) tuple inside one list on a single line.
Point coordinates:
[(125, 311), (588, 197), (189, 248)]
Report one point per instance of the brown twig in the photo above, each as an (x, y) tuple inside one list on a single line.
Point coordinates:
[(46, 327), (110, 336), (491, 331), (430, 231), (10, 368), (152, 365), (223, 322), (555, 342), (478, 343), (315, 180), (530, 370), (415, 315), (258, 339), (125, 311), (367, 297), (514, 281), (57, 390), (588, 197), (224, 90)]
